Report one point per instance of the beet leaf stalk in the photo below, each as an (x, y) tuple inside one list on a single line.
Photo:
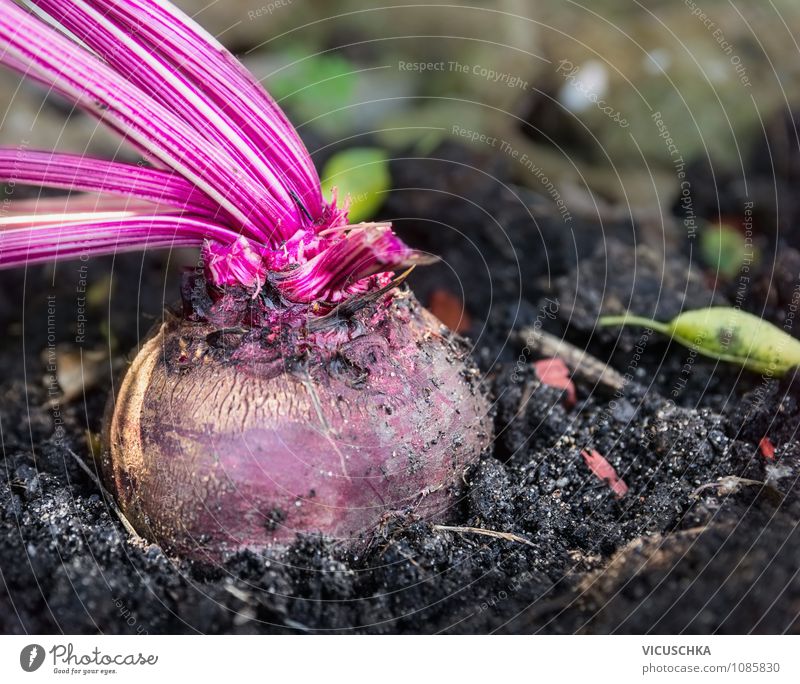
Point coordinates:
[(298, 389)]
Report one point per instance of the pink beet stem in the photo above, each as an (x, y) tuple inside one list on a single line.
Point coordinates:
[(233, 174), (77, 172), (72, 239)]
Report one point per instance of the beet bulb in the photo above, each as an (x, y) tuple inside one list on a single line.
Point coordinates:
[(222, 439), (298, 389)]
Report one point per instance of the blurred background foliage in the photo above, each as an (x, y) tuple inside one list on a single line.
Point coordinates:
[(715, 70)]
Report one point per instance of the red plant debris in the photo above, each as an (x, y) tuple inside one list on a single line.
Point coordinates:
[(449, 309), (767, 448), (554, 373), (603, 470)]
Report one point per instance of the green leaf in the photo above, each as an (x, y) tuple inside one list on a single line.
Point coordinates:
[(727, 334), (724, 249), (317, 89), (362, 174)]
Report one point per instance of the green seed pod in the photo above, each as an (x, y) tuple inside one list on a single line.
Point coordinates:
[(726, 334)]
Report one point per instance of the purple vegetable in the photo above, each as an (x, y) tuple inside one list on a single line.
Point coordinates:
[(299, 388)]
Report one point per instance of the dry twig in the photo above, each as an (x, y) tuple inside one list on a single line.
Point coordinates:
[(507, 536), (585, 366)]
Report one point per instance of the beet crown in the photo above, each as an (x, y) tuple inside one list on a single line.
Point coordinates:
[(226, 170)]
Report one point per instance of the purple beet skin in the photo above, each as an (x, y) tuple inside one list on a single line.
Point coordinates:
[(223, 439)]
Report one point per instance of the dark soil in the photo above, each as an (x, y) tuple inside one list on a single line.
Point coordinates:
[(704, 540)]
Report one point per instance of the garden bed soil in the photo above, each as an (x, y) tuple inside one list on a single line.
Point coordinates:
[(704, 540)]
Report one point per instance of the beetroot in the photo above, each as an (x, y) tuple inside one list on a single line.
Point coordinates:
[(221, 439), (298, 389)]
